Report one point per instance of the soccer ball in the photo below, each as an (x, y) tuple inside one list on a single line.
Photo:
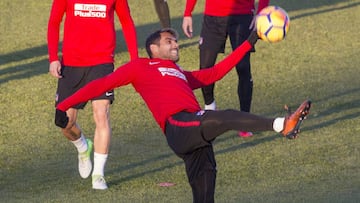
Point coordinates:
[(272, 24)]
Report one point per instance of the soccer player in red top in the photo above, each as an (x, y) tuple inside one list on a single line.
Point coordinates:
[(88, 48), (167, 89), (222, 19)]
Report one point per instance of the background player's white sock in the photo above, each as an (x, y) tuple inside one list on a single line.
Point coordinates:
[(99, 163), (80, 144), (211, 106), (278, 124)]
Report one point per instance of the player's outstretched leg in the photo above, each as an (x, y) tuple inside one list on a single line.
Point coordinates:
[(294, 120)]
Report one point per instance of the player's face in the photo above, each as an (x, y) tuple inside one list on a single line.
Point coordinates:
[(168, 48)]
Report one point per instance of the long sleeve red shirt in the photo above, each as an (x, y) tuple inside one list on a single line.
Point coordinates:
[(89, 31), (226, 7), (165, 87)]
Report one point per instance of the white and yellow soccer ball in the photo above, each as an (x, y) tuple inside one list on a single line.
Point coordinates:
[(272, 24)]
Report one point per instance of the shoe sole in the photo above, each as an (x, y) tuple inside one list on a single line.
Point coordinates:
[(100, 188), (304, 113)]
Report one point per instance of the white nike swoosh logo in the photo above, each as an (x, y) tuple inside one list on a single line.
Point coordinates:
[(154, 63), (108, 94)]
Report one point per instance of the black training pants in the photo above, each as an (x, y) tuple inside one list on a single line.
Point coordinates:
[(214, 33), (190, 136)]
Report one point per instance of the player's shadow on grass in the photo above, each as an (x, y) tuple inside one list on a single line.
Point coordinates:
[(146, 170), (333, 114), (17, 72), (325, 117), (295, 5), (322, 119), (323, 10)]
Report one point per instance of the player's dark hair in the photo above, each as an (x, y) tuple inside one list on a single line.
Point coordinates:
[(154, 38)]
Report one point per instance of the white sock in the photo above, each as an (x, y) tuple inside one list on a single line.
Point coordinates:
[(278, 124), (211, 106), (80, 144), (99, 163)]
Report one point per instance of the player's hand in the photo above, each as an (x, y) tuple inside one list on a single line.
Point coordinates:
[(187, 26), (61, 119), (55, 69)]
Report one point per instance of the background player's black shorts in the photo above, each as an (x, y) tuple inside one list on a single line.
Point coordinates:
[(215, 31), (74, 78)]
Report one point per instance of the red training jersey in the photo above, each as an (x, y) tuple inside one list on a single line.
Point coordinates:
[(89, 31), (165, 87), (223, 8)]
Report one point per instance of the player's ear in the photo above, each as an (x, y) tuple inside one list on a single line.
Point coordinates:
[(154, 50)]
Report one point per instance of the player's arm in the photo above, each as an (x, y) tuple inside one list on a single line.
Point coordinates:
[(187, 24), (122, 76), (123, 12), (208, 76), (53, 34)]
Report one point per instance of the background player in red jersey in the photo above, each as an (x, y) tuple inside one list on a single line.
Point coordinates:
[(163, 12), (167, 89), (87, 54), (223, 18)]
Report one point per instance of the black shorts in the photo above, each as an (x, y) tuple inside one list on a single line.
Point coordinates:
[(185, 137), (74, 78), (215, 30), (183, 132)]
